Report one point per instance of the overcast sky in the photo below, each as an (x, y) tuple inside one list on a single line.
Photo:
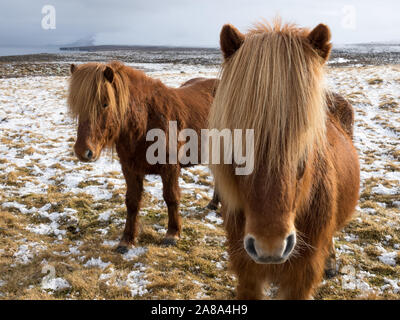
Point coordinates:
[(188, 22)]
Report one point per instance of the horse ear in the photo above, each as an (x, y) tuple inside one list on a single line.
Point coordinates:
[(109, 74), (230, 39), (319, 39), (72, 68)]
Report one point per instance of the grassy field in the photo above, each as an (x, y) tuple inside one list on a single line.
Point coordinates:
[(60, 219)]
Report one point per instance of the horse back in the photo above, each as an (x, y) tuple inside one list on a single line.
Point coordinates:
[(197, 96), (203, 84), (191, 81), (342, 110)]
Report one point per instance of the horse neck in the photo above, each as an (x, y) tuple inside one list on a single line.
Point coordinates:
[(159, 102), (151, 104)]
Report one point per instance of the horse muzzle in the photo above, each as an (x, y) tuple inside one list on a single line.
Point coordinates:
[(86, 155), (260, 254)]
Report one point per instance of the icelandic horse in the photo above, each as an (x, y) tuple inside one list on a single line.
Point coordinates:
[(280, 219), (117, 105)]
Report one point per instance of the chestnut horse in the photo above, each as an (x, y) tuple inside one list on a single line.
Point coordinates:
[(117, 105), (281, 218)]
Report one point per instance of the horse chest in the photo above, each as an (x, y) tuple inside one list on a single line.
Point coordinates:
[(133, 156)]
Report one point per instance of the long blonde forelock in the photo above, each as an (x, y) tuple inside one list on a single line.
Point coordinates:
[(88, 90), (273, 84)]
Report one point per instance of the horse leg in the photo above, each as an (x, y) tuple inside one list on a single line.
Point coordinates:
[(171, 194), (213, 204), (330, 263), (133, 197)]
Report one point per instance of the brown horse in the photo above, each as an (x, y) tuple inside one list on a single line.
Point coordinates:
[(117, 105), (281, 218)]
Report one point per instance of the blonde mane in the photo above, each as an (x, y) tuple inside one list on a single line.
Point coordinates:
[(89, 91), (274, 84)]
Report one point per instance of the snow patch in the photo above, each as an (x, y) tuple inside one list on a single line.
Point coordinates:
[(96, 263), (55, 284), (388, 258), (213, 217), (134, 253)]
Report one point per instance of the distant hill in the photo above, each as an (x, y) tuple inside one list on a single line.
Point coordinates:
[(125, 47)]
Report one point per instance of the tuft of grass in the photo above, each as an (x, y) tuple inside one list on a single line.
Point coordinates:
[(375, 81)]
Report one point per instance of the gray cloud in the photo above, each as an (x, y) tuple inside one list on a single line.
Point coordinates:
[(185, 22)]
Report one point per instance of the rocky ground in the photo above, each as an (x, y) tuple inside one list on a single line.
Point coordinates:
[(57, 64), (60, 219)]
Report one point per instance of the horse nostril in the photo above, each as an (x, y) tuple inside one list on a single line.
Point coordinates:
[(249, 246), (290, 243), (89, 154)]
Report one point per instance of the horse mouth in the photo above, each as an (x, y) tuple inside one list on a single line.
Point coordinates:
[(269, 260), (86, 160)]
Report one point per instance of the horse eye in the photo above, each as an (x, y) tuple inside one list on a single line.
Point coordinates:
[(300, 169), (105, 105)]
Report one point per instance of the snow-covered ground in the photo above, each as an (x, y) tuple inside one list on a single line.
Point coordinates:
[(56, 211)]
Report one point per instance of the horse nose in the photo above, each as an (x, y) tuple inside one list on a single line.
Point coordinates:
[(290, 243), (267, 256), (88, 154)]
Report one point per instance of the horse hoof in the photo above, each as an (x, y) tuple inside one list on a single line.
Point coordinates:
[(212, 206), (330, 273), (168, 242), (122, 249)]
